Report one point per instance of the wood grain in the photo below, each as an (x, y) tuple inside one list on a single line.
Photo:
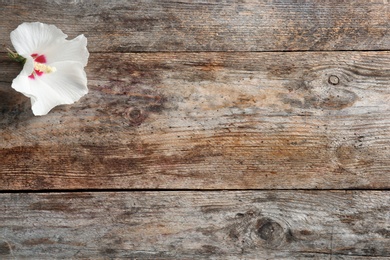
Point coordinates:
[(196, 225), (132, 26), (311, 120), (198, 102)]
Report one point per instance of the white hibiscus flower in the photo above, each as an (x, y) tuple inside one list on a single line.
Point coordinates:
[(53, 72)]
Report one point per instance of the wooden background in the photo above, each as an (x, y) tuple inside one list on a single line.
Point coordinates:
[(212, 130)]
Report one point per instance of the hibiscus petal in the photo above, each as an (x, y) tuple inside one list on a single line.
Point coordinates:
[(65, 86), (69, 80), (68, 50), (29, 38), (21, 82)]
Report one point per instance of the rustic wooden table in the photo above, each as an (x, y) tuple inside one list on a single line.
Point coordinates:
[(212, 130)]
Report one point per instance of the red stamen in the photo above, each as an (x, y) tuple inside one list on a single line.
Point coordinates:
[(38, 72), (40, 59)]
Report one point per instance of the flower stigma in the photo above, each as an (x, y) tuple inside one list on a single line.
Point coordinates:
[(44, 68), (39, 67)]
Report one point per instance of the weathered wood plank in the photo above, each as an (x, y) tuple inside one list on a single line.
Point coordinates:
[(189, 25), (207, 121), (196, 225)]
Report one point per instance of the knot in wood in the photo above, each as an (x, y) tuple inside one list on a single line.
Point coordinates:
[(334, 80), (271, 232), (136, 116), (135, 113)]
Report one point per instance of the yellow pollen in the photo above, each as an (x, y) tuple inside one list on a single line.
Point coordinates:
[(44, 68)]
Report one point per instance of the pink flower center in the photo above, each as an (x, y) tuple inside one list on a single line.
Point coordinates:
[(40, 59)]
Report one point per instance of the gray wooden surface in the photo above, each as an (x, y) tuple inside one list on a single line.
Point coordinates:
[(197, 225), (199, 25), (212, 130)]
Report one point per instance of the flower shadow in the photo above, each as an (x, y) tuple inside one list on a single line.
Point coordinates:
[(14, 106)]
